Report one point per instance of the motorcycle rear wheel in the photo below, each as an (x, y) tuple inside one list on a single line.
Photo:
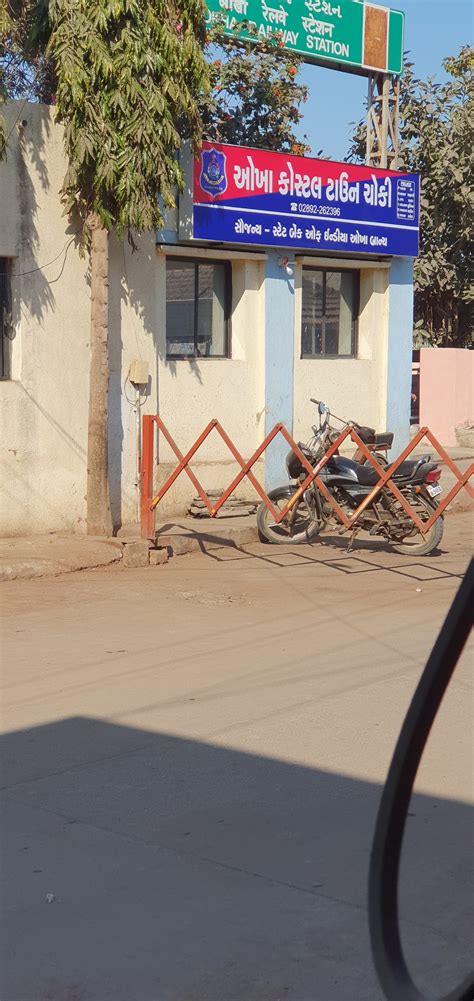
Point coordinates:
[(304, 527), (422, 545)]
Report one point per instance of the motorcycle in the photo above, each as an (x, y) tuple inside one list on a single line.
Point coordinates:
[(349, 482)]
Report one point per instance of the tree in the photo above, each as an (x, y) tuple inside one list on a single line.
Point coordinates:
[(128, 77), (4, 29), (255, 96), (130, 81), (436, 143), (26, 71)]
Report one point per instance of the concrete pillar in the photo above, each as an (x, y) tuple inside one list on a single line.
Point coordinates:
[(279, 333), (399, 351)]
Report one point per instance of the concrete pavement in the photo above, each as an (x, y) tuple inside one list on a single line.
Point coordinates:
[(56, 553), (191, 766)]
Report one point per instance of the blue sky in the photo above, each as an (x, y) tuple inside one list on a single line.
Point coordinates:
[(434, 29)]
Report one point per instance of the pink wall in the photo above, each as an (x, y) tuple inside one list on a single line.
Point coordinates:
[(446, 390)]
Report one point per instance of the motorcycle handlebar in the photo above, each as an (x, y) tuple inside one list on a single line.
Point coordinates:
[(353, 424)]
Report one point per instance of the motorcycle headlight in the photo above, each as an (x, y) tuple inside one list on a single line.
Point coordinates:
[(293, 466)]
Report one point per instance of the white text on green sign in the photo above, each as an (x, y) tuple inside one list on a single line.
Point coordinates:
[(346, 34)]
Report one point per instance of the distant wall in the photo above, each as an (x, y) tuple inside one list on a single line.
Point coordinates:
[(446, 390), (191, 393), (44, 399), (44, 405), (352, 388)]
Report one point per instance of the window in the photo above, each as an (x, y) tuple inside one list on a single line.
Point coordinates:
[(5, 318), (329, 313), (198, 298)]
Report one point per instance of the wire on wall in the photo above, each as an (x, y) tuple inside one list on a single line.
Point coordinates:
[(41, 267)]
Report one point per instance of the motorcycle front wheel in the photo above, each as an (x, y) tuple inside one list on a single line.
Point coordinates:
[(296, 530)]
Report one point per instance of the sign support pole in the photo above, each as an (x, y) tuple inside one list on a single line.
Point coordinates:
[(383, 102)]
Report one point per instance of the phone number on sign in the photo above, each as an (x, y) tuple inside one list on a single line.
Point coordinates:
[(310, 209)]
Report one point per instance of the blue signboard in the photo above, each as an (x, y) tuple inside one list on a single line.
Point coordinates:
[(248, 196)]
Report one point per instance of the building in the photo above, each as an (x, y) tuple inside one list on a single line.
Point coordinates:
[(244, 332)]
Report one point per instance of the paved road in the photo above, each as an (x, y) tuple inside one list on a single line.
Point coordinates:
[(192, 762)]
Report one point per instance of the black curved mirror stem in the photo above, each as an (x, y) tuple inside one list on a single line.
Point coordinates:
[(387, 950)]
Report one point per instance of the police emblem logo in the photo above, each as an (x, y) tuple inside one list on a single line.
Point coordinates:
[(213, 178)]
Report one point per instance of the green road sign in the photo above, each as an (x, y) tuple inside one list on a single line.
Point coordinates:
[(345, 34)]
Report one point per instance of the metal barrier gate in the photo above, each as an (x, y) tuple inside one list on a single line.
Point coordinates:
[(150, 502)]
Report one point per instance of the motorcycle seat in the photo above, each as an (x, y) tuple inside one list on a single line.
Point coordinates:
[(385, 439), (368, 476), (406, 470), (367, 435)]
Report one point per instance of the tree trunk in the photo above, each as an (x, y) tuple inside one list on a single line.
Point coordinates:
[(99, 519)]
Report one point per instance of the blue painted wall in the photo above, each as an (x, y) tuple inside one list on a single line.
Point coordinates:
[(165, 236), (279, 326), (400, 336)]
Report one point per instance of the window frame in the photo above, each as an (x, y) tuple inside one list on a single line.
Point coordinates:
[(355, 272), (197, 261)]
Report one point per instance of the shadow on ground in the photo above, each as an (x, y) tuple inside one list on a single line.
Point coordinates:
[(181, 871), (329, 552)]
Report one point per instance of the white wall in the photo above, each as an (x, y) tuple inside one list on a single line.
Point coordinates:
[(352, 388), (191, 393), (132, 336), (43, 408)]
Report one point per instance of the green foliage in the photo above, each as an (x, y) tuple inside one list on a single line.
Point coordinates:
[(129, 73), (6, 35), (436, 142), (26, 70), (5, 31), (255, 96), (126, 77), (129, 81)]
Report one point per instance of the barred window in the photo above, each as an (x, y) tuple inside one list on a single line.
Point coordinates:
[(5, 318), (329, 313), (198, 303)]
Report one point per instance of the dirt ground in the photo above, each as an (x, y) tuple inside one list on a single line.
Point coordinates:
[(192, 761)]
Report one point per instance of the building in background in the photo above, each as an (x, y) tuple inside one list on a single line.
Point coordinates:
[(232, 319)]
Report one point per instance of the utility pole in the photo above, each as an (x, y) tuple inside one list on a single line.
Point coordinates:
[(383, 103)]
